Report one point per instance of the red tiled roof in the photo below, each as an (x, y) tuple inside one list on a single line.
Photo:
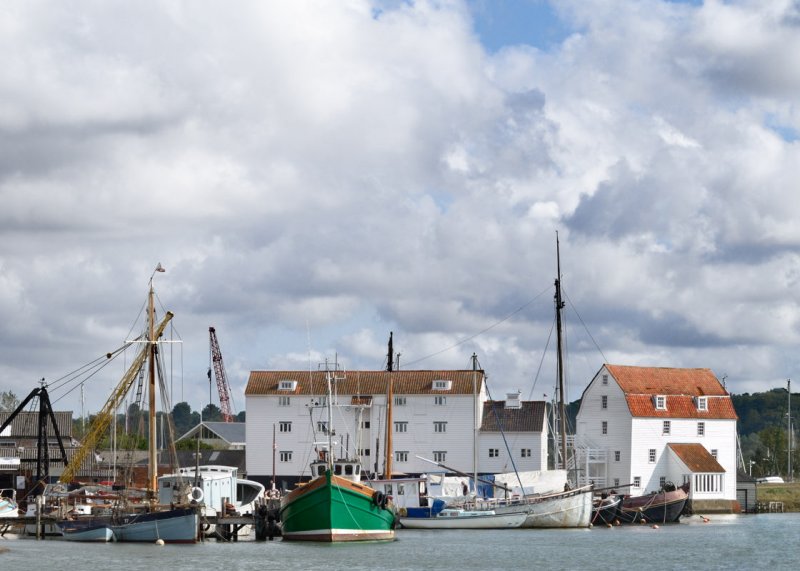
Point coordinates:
[(666, 381), (696, 457), (528, 418), (362, 382), (681, 407), (681, 387)]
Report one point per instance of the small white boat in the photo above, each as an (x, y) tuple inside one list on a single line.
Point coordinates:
[(454, 518)]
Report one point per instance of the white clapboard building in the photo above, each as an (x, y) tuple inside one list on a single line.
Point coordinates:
[(434, 416), (645, 426)]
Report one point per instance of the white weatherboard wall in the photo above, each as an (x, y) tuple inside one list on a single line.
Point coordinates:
[(618, 438), (535, 441)]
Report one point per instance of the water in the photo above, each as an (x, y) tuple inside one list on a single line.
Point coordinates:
[(768, 541)]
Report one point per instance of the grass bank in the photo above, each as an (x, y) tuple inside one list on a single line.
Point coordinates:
[(789, 494)]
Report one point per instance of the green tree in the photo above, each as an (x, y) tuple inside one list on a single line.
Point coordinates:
[(182, 418), (212, 413)]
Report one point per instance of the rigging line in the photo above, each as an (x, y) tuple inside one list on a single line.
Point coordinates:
[(54, 385), (599, 350), (98, 367), (541, 361), (503, 434), (479, 333)]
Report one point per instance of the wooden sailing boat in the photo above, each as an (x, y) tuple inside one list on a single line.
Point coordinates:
[(145, 522), (335, 506)]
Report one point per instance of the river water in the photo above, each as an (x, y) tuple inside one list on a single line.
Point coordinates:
[(769, 542)]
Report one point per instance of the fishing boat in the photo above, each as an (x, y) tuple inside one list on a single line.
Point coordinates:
[(335, 506), (146, 520), (664, 506)]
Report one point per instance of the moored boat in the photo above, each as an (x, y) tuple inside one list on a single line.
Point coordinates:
[(605, 509), (664, 506), (335, 506), (86, 531), (8, 504), (456, 518)]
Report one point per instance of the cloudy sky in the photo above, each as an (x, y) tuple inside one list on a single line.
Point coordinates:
[(316, 174)]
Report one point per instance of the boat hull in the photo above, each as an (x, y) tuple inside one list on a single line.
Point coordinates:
[(605, 511), (333, 509), (86, 532), (569, 509), (661, 507), (172, 526), (468, 521)]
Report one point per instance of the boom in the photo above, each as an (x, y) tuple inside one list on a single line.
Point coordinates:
[(222, 379)]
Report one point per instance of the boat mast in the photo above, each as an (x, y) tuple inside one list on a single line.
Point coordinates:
[(475, 423), (330, 419), (789, 430), (389, 396), (560, 359), (152, 471)]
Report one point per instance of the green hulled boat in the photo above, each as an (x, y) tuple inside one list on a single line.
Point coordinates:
[(335, 505), (336, 508)]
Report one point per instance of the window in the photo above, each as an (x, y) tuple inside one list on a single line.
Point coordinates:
[(661, 481), (364, 424), (401, 456), (439, 455), (287, 385), (667, 427), (401, 489), (363, 452), (388, 489), (701, 429), (440, 426), (616, 482), (651, 456), (525, 453), (439, 401), (322, 426), (637, 481), (702, 403), (605, 379), (661, 402), (494, 452), (401, 426), (399, 401), (617, 455), (708, 483), (442, 385), (286, 456), (285, 426), (714, 453), (284, 401), (604, 401), (605, 427)]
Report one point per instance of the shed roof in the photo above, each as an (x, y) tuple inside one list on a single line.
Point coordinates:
[(696, 458), (362, 382), (231, 432), (26, 424)]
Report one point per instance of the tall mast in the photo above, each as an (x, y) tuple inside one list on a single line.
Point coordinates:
[(475, 423), (789, 430), (330, 419), (561, 407), (152, 471), (389, 423)]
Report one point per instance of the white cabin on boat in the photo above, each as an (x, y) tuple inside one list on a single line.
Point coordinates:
[(646, 426)]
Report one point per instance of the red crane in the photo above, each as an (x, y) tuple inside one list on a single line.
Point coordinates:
[(222, 379)]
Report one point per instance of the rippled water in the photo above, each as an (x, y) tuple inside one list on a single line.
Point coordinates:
[(769, 541)]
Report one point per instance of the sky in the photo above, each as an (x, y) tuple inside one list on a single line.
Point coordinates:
[(313, 175)]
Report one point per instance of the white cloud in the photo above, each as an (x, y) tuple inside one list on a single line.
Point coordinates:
[(336, 171)]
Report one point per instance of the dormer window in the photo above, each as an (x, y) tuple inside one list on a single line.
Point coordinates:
[(442, 385), (702, 403), (287, 385), (661, 402)]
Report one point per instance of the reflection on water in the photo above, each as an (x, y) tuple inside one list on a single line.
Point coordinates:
[(768, 541)]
